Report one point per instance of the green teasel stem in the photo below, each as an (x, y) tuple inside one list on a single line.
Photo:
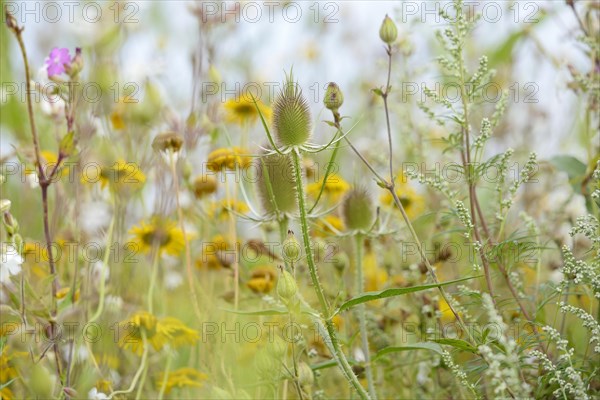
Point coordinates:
[(330, 329), (362, 314)]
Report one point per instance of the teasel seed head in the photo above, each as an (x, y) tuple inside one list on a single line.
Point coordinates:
[(388, 31), (291, 115), (358, 210), (277, 170)]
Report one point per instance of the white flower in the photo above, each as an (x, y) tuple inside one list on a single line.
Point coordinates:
[(94, 216), (32, 179), (99, 270), (10, 263), (173, 280), (113, 303), (94, 394)]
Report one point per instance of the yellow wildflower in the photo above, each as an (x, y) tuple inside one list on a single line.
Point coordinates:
[(447, 316), (221, 209), (323, 227), (157, 332), (375, 276), (181, 377), (241, 110), (334, 189), (227, 158), (262, 280), (159, 232), (7, 372), (413, 202), (177, 332), (208, 258), (119, 177)]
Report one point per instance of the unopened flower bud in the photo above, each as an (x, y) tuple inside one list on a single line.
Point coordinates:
[(11, 224), (388, 31), (69, 391), (291, 248), (76, 65), (286, 286), (334, 98), (67, 145), (4, 205), (341, 262), (11, 21)]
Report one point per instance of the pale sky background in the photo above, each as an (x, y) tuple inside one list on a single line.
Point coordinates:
[(350, 48)]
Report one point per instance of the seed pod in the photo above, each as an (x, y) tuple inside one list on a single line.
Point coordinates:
[(334, 98), (305, 375), (278, 347), (277, 170), (291, 248), (287, 286), (357, 210), (291, 115), (388, 31)]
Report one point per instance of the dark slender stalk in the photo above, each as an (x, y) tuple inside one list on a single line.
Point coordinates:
[(44, 184)]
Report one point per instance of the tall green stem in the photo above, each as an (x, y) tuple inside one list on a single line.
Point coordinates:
[(339, 354), (362, 315), (155, 259), (100, 308)]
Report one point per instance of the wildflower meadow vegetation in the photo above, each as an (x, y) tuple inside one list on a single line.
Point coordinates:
[(228, 234)]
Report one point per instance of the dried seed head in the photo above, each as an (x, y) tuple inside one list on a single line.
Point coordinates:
[(357, 210), (388, 31), (204, 185), (168, 142), (291, 115), (276, 171)]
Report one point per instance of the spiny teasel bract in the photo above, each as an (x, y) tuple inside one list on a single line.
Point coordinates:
[(277, 170), (291, 115), (357, 209)]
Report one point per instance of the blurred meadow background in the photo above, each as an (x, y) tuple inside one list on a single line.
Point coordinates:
[(180, 270)]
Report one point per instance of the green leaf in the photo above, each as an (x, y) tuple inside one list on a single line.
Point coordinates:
[(574, 168), (569, 164), (329, 364), (413, 346), (370, 296), (457, 343), (378, 92)]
